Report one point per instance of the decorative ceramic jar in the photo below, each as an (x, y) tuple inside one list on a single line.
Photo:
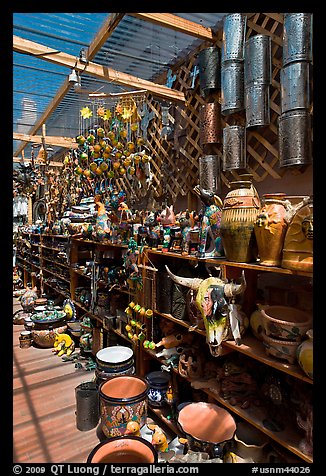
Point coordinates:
[(207, 427), (239, 214), (46, 325), (124, 449), (285, 322), (123, 398), (114, 361), (256, 321), (249, 445), (305, 354), (270, 228), (298, 241), (25, 339), (159, 384), (280, 348)]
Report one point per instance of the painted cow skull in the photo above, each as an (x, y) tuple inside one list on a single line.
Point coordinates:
[(215, 299)]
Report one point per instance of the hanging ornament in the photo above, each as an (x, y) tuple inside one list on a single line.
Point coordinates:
[(86, 113), (107, 115)]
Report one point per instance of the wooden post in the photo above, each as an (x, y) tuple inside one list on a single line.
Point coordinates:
[(30, 210)]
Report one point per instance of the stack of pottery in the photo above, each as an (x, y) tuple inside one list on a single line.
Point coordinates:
[(46, 324), (114, 361), (284, 328), (240, 209)]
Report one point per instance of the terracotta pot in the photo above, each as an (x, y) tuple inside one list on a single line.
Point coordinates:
[(123, 449), (207, 427), (45, 337), (298, 242), (249, 445), (239, 214), (122, 399), (270, 229), (285, 322), (305, 354)]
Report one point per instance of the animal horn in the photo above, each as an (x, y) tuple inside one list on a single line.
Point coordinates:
[(231, 289), (192, 283)]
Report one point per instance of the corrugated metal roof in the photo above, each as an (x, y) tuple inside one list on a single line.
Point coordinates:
[(136, 47)]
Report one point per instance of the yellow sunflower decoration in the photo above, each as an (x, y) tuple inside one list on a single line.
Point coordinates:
[(107, 115), (86, 113)]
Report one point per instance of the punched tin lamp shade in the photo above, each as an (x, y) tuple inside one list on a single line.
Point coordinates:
[(257, 105), (234, 148), (234, 32), (210, 123), (209, 173), (295, 87), (297, 37), (295, 138), (209, 65), (257, 60), (232, 88)]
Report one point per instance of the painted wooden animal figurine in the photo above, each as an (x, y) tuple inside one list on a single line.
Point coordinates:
[(210, 245), (63, 344), (102, 227), (132, 428), (215, 300), (167, 219), (159, 440)]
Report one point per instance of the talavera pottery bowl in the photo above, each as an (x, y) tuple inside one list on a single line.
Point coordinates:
[(282, 349), (207, 427), (117, 358), (285, 322), (124, 449)]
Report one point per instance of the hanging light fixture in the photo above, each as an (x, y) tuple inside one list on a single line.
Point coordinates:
[(73, 78), (77, 84)]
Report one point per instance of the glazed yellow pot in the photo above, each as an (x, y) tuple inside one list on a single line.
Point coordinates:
[(305, 354)]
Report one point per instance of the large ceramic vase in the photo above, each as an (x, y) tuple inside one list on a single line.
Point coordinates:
[(122, 399), (270, 229), (240, 209), (123, 449), (249, 444), (298, 241), (207, 427), (305, 354)]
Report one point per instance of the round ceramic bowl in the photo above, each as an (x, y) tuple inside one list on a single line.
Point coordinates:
[(282, 349), (124, 449), (117, 358), (285, 322)]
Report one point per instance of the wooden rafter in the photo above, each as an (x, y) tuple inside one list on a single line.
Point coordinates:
[(24, 46), (103, 34), (66, 142), (176, 23)]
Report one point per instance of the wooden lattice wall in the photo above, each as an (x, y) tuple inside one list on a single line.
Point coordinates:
[(175, 163)]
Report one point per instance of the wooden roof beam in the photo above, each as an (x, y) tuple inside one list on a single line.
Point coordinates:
[(168, 20), (24, 46), (57, 141), (104, 33)]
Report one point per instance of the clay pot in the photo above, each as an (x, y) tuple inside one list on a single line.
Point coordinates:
[(285, 322), (256, 321), (123, 449), (305, 354), (115, 360), (282, 349), (207, 427), (122, 398), (270, 229), (240, 209), (249, 445), (25, 339), (298, 241)]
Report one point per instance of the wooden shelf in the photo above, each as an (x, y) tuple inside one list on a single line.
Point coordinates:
[(50, 248), (65, 294), (254, 415), (185, 324), (56, 262), (162, 414), (56, 275), (222, 261), (99, 243), (254, 348)]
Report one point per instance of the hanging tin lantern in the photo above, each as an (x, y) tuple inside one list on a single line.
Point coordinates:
[(257, 60), (234, 148), (295, 88), (210, 123), (257, 105), (295, 141), (234, 32), (232, 88), (209, 70), (209, 173), (297, 37)]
